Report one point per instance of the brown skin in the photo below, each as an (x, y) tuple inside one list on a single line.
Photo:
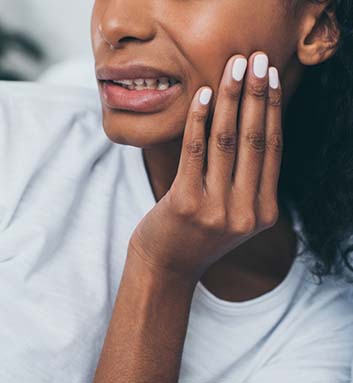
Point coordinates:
[(230, 230)]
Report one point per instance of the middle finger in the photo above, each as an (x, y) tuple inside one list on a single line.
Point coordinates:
[(223, 134), (252, 124)]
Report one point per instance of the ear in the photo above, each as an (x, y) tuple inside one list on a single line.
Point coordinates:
[(318, 34)]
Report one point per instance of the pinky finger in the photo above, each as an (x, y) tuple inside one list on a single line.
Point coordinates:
[(192, 158), (268, 209)]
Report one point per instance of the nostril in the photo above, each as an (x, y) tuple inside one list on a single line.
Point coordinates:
[(127, 39)]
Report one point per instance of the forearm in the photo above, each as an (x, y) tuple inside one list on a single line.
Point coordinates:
[(145, 338)]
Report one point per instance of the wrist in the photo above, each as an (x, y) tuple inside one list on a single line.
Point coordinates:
[(155, 275)]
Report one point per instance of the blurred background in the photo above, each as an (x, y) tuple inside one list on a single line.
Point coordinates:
[(46, 41)]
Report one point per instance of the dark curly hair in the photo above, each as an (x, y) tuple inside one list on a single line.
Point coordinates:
[(317, 164)]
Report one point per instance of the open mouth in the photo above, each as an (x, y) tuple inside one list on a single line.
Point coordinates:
[(141, 97), (159, 84)]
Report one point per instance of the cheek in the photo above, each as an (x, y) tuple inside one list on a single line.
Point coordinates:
[(243, 30)]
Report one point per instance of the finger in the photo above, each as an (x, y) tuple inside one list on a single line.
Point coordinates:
[(223, 134), (192, 157), (251, 137), (274, 145)]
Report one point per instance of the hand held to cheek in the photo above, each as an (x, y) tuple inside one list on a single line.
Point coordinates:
[(208, 212)]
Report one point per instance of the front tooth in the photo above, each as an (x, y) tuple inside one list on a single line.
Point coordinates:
[(139, 81), (126, 82), (151, 81)]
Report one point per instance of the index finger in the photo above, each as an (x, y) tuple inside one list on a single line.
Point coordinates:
[(192, 158)]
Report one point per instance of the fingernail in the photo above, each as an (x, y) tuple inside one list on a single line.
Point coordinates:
[(260, 65), (205, 96), (273, 77), (239, 67)]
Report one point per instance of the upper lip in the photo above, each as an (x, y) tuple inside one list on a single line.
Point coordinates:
[(131, 72)]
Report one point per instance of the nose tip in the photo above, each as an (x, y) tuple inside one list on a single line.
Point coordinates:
[(116, 29), (100, 30)]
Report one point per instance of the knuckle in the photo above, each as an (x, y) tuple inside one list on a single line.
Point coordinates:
[(198, 115), (270, 217), (258, 90), (196, 148), (186, 207), (275, 143), (256, 140), (275, 98), (215, 223), (245, 224), (232, 92), (226, 142)]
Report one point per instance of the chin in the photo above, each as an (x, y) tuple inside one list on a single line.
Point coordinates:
[(142, 130)]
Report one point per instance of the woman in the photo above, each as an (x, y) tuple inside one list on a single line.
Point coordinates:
[(158, 250)]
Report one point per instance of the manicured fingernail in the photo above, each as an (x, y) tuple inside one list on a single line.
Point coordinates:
[(273, 77), (205, 96), (260, 65), (239, 67)]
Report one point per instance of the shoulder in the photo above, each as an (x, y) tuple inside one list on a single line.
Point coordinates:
[(321, 328), (42, 111), (29, 105), (47, 128), (329, 307), (325, 304), (32, 93), (313, 339), (35, 117)]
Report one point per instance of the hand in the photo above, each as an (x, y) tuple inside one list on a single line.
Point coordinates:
[(207, 213)]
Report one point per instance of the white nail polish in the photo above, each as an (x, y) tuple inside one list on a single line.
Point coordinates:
[(205, 96), (239, 67), (273, 77), (260, 65)]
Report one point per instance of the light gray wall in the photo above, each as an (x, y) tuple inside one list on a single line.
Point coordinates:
[(62, 27)]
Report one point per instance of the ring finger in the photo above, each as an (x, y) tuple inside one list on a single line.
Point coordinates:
[(251, 145), (223, 134)]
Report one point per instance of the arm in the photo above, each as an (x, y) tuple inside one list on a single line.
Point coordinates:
[(146, 335), (199, 219)]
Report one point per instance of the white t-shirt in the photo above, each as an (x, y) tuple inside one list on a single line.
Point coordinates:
[(69, 202)]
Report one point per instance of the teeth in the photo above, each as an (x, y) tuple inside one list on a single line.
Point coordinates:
[(151, 83), (162, 83), (139, 81), (125, 82), (163, 86)]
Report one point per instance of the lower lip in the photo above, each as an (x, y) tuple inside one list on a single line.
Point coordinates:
[(144, 101)]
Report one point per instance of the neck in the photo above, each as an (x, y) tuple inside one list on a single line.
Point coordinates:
[(161, 164)]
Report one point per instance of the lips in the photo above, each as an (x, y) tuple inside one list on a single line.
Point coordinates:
[(143, 101), (132, 72), (140, 101)]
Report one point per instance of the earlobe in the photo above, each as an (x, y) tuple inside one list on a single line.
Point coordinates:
[(318, 37)]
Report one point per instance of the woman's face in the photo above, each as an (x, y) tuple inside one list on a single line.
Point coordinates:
[(192, 39)]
